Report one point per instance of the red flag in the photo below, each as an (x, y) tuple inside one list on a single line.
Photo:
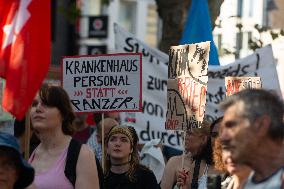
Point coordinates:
[(24, 51)]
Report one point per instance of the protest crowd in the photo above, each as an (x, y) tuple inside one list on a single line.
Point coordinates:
[(219, 127), (231, 152)]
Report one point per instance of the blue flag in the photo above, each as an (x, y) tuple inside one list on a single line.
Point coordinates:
[(198, 28)]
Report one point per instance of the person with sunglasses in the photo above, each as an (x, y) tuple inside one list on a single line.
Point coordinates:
[(195, 178)]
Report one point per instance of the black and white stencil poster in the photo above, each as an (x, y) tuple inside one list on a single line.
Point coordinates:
[(104, 83), (187, 86)]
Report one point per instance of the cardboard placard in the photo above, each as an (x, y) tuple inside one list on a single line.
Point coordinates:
[(103, 83), (186, 103), (236, 84), (189, 60), (186, 94)]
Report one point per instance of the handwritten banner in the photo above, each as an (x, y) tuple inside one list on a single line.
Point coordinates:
[(186, 103), (186, 94), (103, 83), (260, 64), (189, 60), (236, 84), (150, 124)]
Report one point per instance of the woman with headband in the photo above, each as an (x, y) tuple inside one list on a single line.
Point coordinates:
[(122, 168)]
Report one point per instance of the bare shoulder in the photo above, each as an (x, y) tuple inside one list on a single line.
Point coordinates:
[(86, 152), (175, 159), (86, 169), (86, 160)]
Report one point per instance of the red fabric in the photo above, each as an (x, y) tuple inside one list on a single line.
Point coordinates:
[(90, 119), (25, 60)]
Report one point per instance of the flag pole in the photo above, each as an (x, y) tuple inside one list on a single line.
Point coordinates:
[(103, 142), (183, 152), (27, 134)]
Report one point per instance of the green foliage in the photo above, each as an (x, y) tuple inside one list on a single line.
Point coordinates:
[(258, 43), (254, 43), (105, 2)]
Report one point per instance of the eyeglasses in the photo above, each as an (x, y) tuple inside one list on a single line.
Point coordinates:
[(214, 134)]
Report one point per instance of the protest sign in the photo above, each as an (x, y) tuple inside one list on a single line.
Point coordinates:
[(150, 123), (186, 94), (236, 84), (103, 83), (260, 64), (189, 60), (185, 103), (278, 51)]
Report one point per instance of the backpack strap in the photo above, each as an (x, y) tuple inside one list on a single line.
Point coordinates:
[(71, 160)]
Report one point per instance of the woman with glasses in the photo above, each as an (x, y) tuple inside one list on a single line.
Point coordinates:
[(197, 164), (200, 144)]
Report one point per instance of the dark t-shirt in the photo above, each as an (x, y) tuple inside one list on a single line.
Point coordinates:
[(145, 179)]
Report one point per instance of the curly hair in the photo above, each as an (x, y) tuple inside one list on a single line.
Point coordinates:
[(217, 156)]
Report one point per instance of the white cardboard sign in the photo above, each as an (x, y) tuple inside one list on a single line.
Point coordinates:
[(236, 84), (103, 83), (186, 100)]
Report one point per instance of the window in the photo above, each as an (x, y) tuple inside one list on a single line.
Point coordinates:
[(239, 44), (127, 15), (250, 14), (240, 8), (152, 26)]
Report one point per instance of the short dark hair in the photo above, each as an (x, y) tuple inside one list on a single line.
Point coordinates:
[(258, 102), (56, 96)]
